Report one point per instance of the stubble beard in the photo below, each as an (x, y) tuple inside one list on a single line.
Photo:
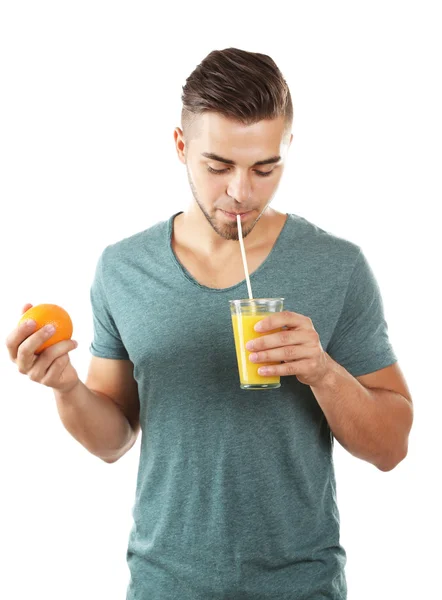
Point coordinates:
[(228, 231)]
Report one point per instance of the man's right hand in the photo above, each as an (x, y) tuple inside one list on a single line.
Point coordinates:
[(52, 367)]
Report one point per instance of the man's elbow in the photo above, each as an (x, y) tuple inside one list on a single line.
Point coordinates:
[(393, 461), (109, 461), (112, 458), (398, 454)]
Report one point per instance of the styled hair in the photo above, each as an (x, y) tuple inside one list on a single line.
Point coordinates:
[(244, 86)]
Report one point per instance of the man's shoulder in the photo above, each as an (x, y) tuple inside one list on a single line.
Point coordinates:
[(137, 244), (319, 241)]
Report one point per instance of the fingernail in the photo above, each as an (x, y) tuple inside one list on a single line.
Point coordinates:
[(49, 329), (253, 357), (258, 326), (29, 323), (249, 345)]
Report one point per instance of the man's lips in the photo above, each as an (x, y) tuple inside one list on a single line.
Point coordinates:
[(233, 215)]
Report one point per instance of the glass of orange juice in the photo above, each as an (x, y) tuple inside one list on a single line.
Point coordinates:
[(245, 315)]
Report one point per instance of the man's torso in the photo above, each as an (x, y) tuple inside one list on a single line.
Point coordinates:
[(236, 492)]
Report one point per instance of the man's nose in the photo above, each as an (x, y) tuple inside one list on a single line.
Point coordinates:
[(240, 187)]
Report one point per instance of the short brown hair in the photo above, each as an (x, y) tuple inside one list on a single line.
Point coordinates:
[(245, 86)]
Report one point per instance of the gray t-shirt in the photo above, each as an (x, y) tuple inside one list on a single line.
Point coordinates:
[(236, 492)]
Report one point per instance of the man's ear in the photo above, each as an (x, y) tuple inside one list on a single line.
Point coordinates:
[(180, 144)]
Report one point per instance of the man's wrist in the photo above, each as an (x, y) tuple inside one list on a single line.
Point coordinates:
[(328, 378), (66, 393)]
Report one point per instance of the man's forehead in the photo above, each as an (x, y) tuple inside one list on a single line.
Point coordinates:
[(215, 125), (227, 138), (214, 135)]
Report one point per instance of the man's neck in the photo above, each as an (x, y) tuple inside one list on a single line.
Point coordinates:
[(192, 230)]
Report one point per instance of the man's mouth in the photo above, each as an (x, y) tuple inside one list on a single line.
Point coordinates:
[(233, 215)]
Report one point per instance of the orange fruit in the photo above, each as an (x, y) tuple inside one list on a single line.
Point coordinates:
[(45, 314)]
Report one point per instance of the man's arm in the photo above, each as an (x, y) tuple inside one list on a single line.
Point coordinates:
[(371, 416), (103, 414)]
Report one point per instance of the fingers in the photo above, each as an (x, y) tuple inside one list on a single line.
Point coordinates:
[(19, 334), (25, 308), (26, 350), (61, 375), (55, 372), (286, 337), (286, 354), (283, 319), (17, 337), (51, 362)]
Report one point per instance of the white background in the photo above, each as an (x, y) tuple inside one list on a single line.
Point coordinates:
[(90, 95)]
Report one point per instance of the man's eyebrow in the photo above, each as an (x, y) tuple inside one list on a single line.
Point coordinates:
[(228, 161)]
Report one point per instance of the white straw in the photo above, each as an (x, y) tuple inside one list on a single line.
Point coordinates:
[(243, 253)]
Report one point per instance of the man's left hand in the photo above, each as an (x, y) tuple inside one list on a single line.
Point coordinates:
[(298, 346)]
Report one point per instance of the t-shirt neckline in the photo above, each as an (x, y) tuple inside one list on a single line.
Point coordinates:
[(189, 277)]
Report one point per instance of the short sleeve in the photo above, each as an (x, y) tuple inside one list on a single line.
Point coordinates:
[(360, 340), (107, 342)]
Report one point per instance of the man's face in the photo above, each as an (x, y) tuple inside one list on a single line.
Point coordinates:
[(233, 168)]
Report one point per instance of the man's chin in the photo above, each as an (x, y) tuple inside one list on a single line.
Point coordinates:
[(230, 231)]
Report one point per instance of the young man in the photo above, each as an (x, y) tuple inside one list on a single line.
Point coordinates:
[(236, 489)]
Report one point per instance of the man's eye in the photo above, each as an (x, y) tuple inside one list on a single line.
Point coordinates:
[(219, 171), (216, 171)]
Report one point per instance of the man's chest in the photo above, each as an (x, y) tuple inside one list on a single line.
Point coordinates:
[(220, 273), (168, 320)]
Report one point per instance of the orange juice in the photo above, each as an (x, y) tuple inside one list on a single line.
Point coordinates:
[(243, 332)]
